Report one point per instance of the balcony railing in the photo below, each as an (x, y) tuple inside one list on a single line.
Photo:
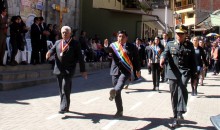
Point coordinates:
[(184, 7), (137, 4)]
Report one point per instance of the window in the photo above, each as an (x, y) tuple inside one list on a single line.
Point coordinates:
[(190, 15), (190, 1), (178, 4)]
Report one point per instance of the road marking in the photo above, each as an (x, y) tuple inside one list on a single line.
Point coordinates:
[(135, 106), (91, 100), (110, 124), (52, 116)]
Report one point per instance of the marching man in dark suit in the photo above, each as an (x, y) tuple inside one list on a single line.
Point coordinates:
[(124, 59), (181, 67), (67, 53)]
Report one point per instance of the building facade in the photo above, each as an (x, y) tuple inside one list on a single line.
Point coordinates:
[(104, 17), (60, 12), (195, 14)]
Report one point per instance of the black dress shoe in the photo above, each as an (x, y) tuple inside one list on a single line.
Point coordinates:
[(175, 123), (63, 111), (112, 94), (118, 114), (195, 92), (180, 116)]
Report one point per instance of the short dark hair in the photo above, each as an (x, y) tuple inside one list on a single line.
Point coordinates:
[(123, 32), (36, 18), (2, 9), (14, 18), (139, 39), (41, 18)]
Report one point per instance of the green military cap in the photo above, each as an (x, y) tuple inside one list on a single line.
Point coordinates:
[(181, 29)]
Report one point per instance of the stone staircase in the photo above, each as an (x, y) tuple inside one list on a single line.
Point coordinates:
[(14, 77)]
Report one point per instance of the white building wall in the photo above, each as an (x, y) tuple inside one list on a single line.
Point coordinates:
[(161, 14)]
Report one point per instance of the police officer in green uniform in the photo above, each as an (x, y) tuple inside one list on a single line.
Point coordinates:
[(181, 66)]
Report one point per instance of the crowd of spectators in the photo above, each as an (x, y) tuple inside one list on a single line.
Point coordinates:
[(40, 33), (93, 48)]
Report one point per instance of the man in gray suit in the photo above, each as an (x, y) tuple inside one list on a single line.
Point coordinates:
[(181, 67), (67, 53), (163, 72), (3, 33)]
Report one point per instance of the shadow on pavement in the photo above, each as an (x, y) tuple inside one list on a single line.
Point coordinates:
[(209, 96), (96, 81), (47, 90), (154, 122), (131, 90), (211, 85)]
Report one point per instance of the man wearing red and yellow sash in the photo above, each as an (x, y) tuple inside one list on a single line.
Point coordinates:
[(124, 59), (67, 53)]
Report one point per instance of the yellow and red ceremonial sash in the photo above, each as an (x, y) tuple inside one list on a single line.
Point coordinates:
[(64, 48), (122, 55)]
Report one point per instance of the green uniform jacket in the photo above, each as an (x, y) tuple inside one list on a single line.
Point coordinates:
[(181, 59)]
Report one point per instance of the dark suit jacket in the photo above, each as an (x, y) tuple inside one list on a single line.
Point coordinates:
[(172, 53), (3, 26), (117, 66), (201, 57), (44, 37), (66, 64), (141, 53), (162, 42), (35, 34)]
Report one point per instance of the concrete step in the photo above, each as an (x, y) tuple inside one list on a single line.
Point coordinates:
[(8, 85), (22, 75), (14, 77), (9, 68)]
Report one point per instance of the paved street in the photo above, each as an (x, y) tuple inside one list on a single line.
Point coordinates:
[(36, 108)]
